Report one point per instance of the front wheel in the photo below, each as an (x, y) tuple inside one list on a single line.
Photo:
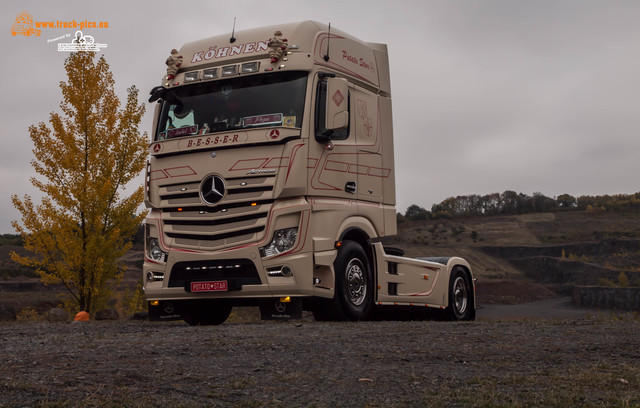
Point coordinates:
[(354, 281), (353, 295), (461, 299)]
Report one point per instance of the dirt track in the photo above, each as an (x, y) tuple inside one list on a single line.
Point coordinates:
[(509, 363)]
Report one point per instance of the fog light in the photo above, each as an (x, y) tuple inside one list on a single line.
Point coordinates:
[(280, 271), (154, 276)]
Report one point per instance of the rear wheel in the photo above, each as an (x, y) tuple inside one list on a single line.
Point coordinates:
[(461, 305), (207, 313)]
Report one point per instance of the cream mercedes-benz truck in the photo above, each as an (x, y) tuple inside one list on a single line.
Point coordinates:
[(271, 183)]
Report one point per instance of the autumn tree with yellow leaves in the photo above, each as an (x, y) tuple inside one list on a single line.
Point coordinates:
[(85, 159)]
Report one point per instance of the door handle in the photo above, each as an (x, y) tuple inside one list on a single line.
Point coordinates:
[(351, 187)]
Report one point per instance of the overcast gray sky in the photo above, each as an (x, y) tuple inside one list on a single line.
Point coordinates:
[(488, 95)]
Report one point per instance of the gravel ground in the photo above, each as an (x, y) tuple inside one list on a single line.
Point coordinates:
[(583, 362)]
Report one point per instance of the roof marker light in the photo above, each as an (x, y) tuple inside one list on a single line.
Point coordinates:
[(191, 76), (229, 70), (210, 73), (250, 67)]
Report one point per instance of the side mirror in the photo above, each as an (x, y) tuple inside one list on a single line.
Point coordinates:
[(159, 92), (156, 118), (337, 116)]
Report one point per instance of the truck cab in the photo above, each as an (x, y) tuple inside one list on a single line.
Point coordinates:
[(271, 182)]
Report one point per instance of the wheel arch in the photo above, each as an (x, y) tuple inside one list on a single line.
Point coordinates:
[(362, 238), (357, 235)]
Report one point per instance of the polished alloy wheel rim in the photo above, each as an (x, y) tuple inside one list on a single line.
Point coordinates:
[(460, 295), (356, 282)]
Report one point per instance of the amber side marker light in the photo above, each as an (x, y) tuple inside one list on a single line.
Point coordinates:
[(155, 303), (286, 299)]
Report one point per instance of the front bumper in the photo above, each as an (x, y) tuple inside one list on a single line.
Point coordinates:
[(244, 271)]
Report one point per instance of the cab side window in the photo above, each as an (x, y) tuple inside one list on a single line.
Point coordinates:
[(321, 112)]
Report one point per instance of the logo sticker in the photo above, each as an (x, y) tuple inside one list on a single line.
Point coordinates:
[(289, 121), (338, 98)]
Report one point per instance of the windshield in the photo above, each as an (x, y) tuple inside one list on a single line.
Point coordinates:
[(239, 103)]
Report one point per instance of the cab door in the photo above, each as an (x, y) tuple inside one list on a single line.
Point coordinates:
[(369, 161), (333, 156)]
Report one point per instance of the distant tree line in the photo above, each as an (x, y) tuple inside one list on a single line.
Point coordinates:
[(510, 202)]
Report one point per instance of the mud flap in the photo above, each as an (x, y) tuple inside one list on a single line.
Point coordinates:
[(276, 309), (165, 311)]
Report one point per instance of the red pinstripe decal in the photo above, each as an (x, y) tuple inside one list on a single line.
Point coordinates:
[(294, 151), (333, 165), (251, 163), (180, 171), (276, 162), (433, 286), (318, 45), (162, 175), (163, 245), (379, 172), (358, 169)]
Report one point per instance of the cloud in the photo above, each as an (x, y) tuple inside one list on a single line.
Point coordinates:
[(487, 95)]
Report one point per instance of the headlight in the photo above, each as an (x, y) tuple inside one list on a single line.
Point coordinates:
[(283, 240), (154, 251)]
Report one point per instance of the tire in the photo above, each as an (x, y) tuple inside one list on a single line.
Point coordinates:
[(461, 304), (207, 313), (354, 282)]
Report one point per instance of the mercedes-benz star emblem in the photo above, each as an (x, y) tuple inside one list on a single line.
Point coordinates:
[(212, 189)]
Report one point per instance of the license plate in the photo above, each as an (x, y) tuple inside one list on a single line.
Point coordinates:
[(217, 286)]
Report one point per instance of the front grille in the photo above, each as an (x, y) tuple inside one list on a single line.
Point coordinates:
[(237, 272), (240, 217), (236, 189), (216, 237)]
